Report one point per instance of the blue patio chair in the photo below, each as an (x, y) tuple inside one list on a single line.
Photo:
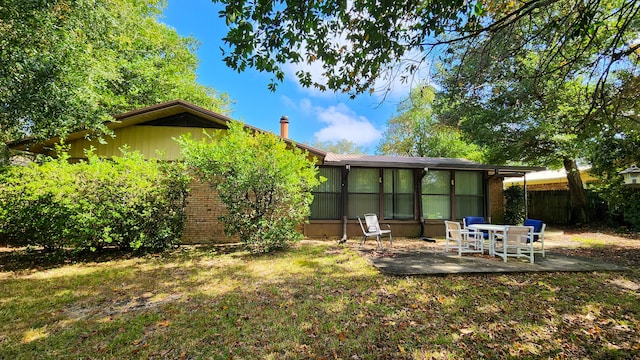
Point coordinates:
[(538, 233), (470, 220)]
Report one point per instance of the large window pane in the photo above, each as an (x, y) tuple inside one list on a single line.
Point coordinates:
[(436, 195), (469, 191), (436, 206), (326, 206), (360, 204), (436, 182), (468, 183), (398, 197), (364, 181), (364, 192), (469, 206), (398, 206), (334, 179), (327, 198)]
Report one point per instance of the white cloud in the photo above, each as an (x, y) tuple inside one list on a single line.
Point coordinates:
[(343, 123)]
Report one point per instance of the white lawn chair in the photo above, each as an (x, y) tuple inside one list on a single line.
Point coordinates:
[(373, 229), (516, 243), (465, 241)]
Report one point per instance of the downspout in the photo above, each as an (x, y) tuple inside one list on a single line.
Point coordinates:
[(345, 218)]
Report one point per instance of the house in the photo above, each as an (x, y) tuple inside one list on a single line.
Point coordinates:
[(415, 195), (548, 180)]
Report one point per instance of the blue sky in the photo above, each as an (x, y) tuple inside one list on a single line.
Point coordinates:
[(312, 114)]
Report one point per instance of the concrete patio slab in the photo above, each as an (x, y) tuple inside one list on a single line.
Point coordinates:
[(436, 261)]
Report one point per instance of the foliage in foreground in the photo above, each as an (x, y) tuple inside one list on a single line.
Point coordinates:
[(265, 186), (126, 202), (314, 301)]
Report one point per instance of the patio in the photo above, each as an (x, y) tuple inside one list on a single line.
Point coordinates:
[(417, 257)]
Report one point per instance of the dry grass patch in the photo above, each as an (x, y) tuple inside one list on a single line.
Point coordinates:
[(317, 300)]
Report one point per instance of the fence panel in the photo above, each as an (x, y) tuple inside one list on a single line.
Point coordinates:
[(552, 207)]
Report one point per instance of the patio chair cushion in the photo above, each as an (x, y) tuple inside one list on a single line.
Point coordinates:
[(537, 227), (470, 220)]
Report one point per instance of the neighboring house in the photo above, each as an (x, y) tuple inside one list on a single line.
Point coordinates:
[(549, 179), (403, 191)]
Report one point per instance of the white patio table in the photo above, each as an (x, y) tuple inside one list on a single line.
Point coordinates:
[(492, 229)]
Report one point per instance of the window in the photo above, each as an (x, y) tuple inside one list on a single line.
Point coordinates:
[(327, 198), (469, 194), (398, 194), (363, 192), (436, 195)]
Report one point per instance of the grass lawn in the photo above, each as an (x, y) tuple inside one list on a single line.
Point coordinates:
[(316, 300)]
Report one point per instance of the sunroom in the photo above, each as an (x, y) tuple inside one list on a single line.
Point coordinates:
[(413, 194)]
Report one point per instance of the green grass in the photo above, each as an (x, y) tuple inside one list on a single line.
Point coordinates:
[(314, 301)]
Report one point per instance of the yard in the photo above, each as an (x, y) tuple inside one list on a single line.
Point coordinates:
[(318, 300)]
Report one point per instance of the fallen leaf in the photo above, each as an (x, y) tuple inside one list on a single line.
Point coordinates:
[(163, 323), (466, 331)]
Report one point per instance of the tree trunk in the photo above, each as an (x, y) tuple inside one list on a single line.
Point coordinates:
[(577, 194)]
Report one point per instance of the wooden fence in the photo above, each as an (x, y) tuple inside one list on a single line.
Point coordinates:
[(552, 207)]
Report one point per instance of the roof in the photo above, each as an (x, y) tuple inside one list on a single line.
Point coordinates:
[(423, 162), (171, 114), (549, 176), (631, 170), (149, 115)]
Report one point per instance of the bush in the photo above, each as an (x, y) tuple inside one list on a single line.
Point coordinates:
[(265, 186), (625, 208), (514, 207), (126, 202)]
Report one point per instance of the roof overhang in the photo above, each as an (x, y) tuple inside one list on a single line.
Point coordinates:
[(427, 163)]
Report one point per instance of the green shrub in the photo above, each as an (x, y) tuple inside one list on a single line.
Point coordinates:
[(126, 202), (265, 186), (626, 207), (514, 207)]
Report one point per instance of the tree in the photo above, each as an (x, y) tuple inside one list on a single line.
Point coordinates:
[(358, 42), (416, 132), (265, 186), (342, 146), (71, 65), (517, 114)]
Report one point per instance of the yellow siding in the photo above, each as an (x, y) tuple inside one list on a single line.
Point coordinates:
[(145, 139)]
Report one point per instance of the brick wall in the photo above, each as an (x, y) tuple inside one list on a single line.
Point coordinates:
[(496, 201), (203, 208)]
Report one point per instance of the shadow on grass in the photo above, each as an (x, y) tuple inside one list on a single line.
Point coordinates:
[(310, 302), (22, 259), (620, 255)]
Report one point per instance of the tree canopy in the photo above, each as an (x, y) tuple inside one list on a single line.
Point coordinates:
[(361, 41), (71, 65), (530, 102), (342, 146), (415, 131)]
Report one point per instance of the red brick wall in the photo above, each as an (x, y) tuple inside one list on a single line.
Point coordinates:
[(203, 208)]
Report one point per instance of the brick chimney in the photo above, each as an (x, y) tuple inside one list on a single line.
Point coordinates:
[(284, 127)]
